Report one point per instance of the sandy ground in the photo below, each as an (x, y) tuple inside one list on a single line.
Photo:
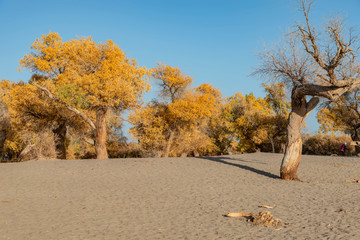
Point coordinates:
[(178, 198)]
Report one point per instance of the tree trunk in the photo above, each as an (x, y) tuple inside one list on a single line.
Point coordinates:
[(169, 143), (292, 156), (100, 138), (196, 153), (2, 140), (355, 138), (272, 144), (59, 139), (300, 109)]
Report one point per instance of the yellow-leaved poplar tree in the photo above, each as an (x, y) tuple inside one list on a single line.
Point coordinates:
[(85, 75), (247, 123), (31, 111), (177, 125), (342, 116)]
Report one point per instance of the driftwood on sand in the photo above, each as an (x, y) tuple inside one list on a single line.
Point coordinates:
[(263, 218)]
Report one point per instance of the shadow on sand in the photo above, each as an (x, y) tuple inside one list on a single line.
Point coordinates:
[(245, 167)]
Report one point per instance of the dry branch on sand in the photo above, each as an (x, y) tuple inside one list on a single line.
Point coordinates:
[(264, 218), (353, 181), (239, 214)]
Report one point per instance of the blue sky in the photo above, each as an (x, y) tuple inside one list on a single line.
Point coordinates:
[(211, 40)]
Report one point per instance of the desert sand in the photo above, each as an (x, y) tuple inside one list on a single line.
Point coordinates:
[(178, 198)]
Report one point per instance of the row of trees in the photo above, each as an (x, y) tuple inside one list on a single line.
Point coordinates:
[(82, 83), (181, 121), (79, 90), (195, 121)]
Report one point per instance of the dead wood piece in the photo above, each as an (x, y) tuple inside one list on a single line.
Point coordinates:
[(353, 181), (239, 214), (266, 219)]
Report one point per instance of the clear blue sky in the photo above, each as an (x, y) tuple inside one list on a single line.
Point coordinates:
[(214, 41)]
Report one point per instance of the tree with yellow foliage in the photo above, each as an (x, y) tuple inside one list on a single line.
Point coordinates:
[(247, 123), (177, 125), (172, 81), (32, 111), (84, 75), (342, 116), (280, 106), (250, 120), (4, 120), (191, 115)]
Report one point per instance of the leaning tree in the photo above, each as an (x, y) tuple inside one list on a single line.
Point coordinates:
[(315, 63)]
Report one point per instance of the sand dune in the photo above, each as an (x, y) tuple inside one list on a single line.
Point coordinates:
[(178, 198)]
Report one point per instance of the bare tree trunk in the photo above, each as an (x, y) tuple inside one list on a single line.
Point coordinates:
[(59, 139), (300, 109), (100, 138), (169, 143), (292, 156)]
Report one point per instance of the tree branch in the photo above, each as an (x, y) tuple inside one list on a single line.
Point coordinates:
[(74, 110), (312, 104)]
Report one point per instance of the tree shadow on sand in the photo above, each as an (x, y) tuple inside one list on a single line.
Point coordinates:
[(245, 167)]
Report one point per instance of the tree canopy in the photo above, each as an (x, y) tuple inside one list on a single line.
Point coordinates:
[(85, 75)]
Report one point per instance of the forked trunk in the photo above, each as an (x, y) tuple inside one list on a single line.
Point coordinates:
[(100, 138), (59, 139), (300, 109)]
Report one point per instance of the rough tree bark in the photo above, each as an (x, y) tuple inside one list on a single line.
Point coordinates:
[(100, 139), (300, 109), (59, 139)]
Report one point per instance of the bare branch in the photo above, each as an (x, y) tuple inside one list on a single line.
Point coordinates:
[(312, 104)]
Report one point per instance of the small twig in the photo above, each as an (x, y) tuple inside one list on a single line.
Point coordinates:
[(353, 181), (267, 206)]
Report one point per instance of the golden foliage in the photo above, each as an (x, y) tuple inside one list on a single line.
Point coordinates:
[(255, 122), (98, 73), (172, 81), (177, 128), (342, 115), (32, 112), (89, 76)]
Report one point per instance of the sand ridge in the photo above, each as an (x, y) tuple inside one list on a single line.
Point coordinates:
[(178, 198)]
